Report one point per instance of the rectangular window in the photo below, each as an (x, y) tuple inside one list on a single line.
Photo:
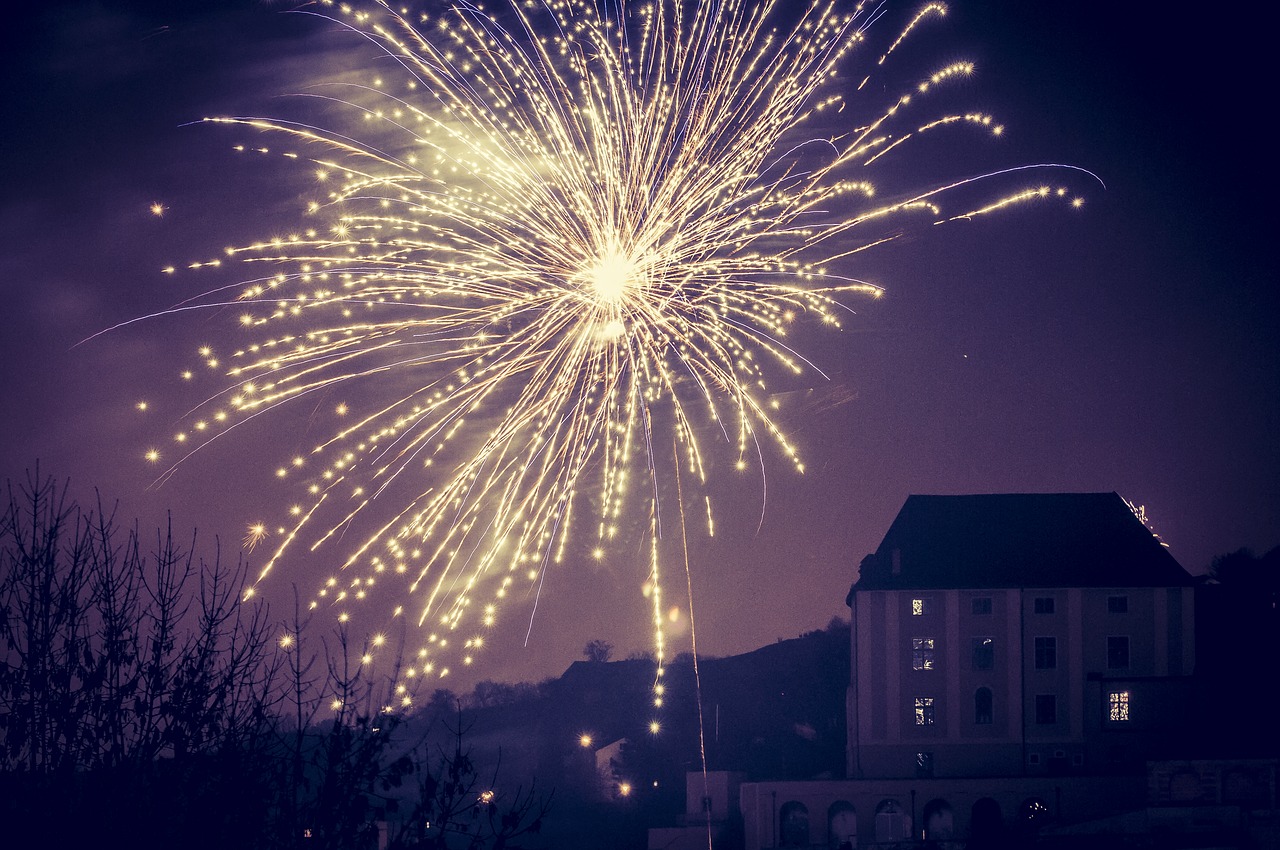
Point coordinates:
[(984, 653), (924, 765), (920, 606), (924, 711), (1118, 706), (1046, 709), (1046, 653), (1117, 605), (922, 653), (1044, 605), (981, 605), (1118, 652), (1033, 758)]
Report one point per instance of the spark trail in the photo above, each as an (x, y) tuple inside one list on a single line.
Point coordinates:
[(562, 234)]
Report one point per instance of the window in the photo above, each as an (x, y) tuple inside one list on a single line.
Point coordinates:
[(984, 653), (982, 706), (1117, 605), (793, 824), (1046, 653), (924, 765), (1118, 706), (981, 605), (924, 711), (1118, 652), (1046, 709), (1033, 758), (922, 653), (920, 606), (1044, 605)]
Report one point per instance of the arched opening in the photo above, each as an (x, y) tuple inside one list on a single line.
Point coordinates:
[(842, 826), (986, 825), (793, 824), (891, 822), (982, 702), (939, 821)]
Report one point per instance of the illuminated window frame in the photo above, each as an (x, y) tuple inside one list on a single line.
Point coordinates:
[(1118, 706), (922, 657), (925, 713), (921, 605)]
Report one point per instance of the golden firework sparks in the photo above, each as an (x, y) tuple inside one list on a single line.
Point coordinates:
[(563, 236)]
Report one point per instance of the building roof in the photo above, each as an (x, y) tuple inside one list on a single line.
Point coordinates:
[(1018, 540)]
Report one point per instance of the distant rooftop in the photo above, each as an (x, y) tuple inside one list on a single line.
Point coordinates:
[(1018, 540)]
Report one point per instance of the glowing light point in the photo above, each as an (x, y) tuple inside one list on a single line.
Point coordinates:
[(593, 245)]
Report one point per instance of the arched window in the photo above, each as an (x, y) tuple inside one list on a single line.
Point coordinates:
[(891, 822), (793, 825), (986, 823), (982, 713), (939, 820), (842, 826)]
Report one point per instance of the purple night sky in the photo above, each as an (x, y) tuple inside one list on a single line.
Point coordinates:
[(1130, 345)]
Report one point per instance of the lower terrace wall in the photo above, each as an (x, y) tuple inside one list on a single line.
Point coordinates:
[(825, 813)]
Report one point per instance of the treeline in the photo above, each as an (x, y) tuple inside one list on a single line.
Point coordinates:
[(142, 700)]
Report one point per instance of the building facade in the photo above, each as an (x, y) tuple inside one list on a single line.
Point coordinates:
[(1016, 635)]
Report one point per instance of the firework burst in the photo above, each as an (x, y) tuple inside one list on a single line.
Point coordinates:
[(571, 242)]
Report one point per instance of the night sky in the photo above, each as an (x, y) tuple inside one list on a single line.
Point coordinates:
[(1130, 345)]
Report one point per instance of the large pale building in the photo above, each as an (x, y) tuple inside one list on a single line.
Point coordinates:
[(1016, 634), (1016, 659)]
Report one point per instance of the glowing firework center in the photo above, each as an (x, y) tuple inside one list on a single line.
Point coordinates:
[(641, 225), (608, 282)]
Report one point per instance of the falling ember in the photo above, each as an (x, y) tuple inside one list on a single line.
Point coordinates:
[(562, 236), (255, 535)]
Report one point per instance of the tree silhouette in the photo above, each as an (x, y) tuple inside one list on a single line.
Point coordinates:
[(142, 696)]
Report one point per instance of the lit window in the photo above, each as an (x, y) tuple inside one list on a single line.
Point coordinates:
[(922, 653), (920, 606), (924, 711), (1117, 605), (1044, 605), (1046, 653), (924, 765), (984, 653), (1046, 709), (1118, 652), (1118, 705), (981, 605)]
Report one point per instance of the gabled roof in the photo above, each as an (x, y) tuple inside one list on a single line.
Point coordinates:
[(1018, 540)]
